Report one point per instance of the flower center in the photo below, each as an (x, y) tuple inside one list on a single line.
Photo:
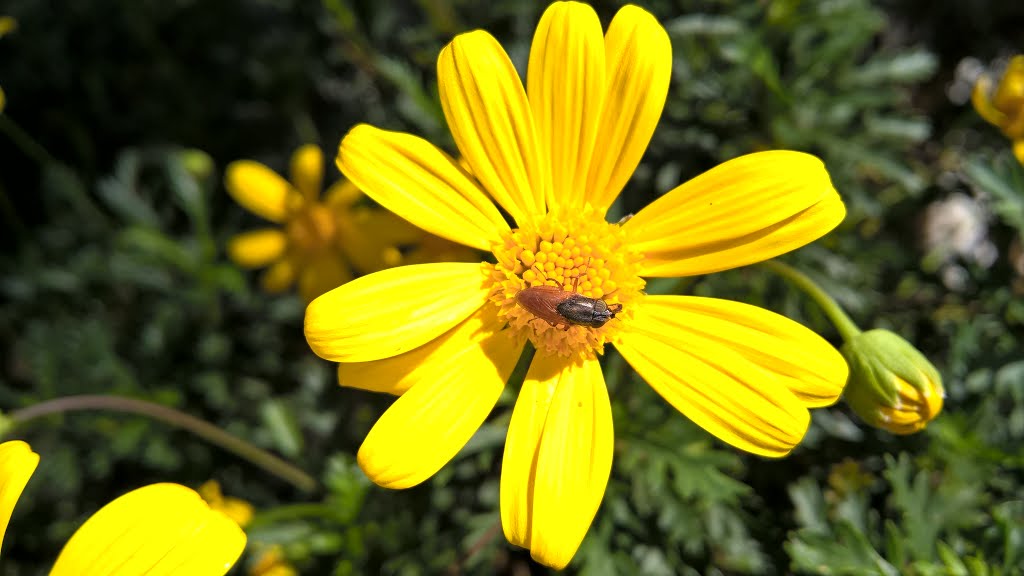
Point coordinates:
[(593, 269), (312, 229)]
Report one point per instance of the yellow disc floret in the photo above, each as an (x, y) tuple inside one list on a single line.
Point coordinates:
[(312, 229), (580, 252)]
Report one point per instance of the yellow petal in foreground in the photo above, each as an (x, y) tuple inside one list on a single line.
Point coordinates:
[(747, 210), (801, 229), (473, 342), (558, 457), (307, 170), (490, 119), (434, 419), (257, 248), (393, 311), (566, 86), (414, 179), (796, 356), (639, 67), (260, 190), (17, 463), (733, 399), (161, 529)]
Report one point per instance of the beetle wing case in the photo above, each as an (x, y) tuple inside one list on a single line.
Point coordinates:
[(542, 302)]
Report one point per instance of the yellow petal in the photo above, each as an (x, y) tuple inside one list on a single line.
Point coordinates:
[(7, 25), (323, 274), (981, 97), (566, 87), (731, 397), (342, 194), (271, 561), (639, 67), (161, 529), (795, 355), (746, 210), (1018, 150), (17, 463), (489, 116), (395, 375), (257, 248), (307, 170), (416, 180), (558, 456), (280, 276), (260, 190), (371, 238), (393, 311), (1010, 92), (453, 390)]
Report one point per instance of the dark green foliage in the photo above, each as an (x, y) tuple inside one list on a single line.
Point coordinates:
[(113, 280)]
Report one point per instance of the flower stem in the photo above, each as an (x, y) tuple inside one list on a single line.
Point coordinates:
[(201, 428), (25, 142), (847, 329)]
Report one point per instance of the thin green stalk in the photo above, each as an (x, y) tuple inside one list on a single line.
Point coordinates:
[(24, 142), (201, 428), (272, 516), (847, 329)]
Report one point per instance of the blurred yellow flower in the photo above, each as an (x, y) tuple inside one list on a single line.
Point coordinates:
[(322, 243), (172, 530), (892, 385), (270, 560), (555, 156), (7, 25), (235, 508), (1003, 104)]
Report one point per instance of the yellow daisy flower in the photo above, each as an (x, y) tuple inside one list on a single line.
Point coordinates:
[(446, 337), (173, 531), (323, 242), (1003, 105)]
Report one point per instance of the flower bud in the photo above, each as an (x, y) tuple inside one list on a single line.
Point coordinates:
[(198, 163), (892, 385)]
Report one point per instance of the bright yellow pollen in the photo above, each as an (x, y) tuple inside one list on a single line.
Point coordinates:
[(312, 229), (581, 251)]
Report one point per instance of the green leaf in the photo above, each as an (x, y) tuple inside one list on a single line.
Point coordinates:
[(1006, 190), (283, 426)]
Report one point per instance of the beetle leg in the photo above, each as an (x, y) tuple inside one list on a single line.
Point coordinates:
[(575, 283), (540, 272)]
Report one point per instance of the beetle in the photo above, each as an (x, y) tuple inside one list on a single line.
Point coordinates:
[(558, 305)]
